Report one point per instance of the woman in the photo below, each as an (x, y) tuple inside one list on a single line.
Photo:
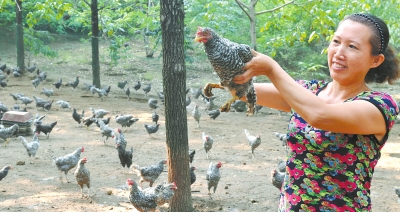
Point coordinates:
[(335, 139)]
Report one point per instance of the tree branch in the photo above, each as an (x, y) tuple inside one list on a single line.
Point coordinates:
[(87, 3), (276, 8), (243, 7), (19, 8)]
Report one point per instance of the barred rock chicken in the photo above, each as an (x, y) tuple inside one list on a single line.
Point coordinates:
[(58, 83), (16, 96), (105, 120), (120, 139), (163, 192), (47, 105), (3, 84), (143, 202), (149, 173), (99, 113), (47, 92), (45, 128), (63, 104), (152, 103), (125, 120), (3, 107), (4, 172), (31, 147), (196, 115), (125, 156), (228, 59), (281, 165), (192, 175), (82, 176), (192, 152), (155, 117), (283, 138), (7, 132), (213, 176), (78, 117), (74, 83), (253, 141), (151, 129), (207, 142), (105, 130), (68, 162), (42, 75)]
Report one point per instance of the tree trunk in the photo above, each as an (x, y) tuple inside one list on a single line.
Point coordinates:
[(20, 37), (174, 86), (253, 19), (95, 44)]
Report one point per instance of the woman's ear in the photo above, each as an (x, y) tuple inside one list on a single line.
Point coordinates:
[(378, 60)]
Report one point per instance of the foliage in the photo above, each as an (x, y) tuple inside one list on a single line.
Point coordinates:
[(35, 43)]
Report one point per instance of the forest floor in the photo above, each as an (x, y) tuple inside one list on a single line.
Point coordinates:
[(245, 183)]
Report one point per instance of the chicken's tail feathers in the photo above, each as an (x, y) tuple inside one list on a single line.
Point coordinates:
[(53, 158), (135, 168)]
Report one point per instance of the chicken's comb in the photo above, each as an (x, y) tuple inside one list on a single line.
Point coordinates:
[(119, 130), (82, 149)]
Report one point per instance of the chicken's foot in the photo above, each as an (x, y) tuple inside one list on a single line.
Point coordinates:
[(209, 86), (227, 106)]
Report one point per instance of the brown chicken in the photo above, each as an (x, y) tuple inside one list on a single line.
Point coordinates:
[(149, 173), (82, 176), (228, 59)]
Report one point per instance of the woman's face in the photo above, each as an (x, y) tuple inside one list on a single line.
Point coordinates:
[(349, 53)]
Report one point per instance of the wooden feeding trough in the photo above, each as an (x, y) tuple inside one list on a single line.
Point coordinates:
[(22, 119)]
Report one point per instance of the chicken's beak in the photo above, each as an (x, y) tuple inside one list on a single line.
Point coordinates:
[(197, 39)]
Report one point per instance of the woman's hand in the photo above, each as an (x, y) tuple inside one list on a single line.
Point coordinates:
[(258, 65)]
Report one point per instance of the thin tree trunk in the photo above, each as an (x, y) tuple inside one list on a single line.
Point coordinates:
[(20, 37), (174, 86), (95, 44)]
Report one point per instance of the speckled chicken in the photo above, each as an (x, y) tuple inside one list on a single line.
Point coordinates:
[(207, 143), (105, 130), (82, 176), (143, 202), (277, 178), (25, 100), (213, 176), (4, 172), (99, 113), (253, 141), (7, 132), (31, 147), (125, 120), (213, 114), (68, 162), (283, 138), (192, 175), (155, 117), (35, 82), (120, 139), (63, 104), (41, 102), (228, 59), (196, 115), (197, 93), (163, 192), (149, 173), (78, 117)]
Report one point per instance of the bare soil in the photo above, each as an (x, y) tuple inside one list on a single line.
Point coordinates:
[(245, 184)]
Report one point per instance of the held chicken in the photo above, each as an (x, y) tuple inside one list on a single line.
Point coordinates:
[(125, 157), (82, 176), (45, 128), (207, 143), (213, 176), (31, 147), (228, 59), (151, 129), (253, 141), (149, 173), (7, 132), (68, 162), (4, 172), (196, 115), (143, 202)]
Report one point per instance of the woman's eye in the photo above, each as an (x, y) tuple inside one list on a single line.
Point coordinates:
[(335, 41), (353, 47)]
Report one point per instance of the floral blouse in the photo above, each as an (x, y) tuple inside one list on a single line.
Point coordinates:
[(328, 171)]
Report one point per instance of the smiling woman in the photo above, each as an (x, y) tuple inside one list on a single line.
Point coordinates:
[(332, 158)]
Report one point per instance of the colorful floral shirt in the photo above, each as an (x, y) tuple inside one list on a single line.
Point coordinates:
[(328, 171)]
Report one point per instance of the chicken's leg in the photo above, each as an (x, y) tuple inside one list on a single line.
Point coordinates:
[(227, 106), (209, 86)]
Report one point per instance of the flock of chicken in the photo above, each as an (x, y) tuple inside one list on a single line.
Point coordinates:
[(142, 199)]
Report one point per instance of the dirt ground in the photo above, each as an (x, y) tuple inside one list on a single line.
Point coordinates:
[(245, 184)]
